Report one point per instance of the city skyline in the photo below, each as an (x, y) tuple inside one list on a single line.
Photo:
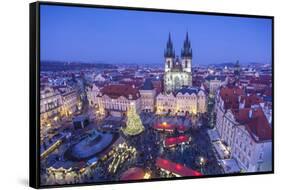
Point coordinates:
[(110, 123), (141, 40)]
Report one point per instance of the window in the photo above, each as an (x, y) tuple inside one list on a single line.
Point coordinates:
[(261, 156), (169, 64), (251, 143), (247, 164), (249, 153)]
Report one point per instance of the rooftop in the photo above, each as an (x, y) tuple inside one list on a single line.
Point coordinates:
[(116, 90), (255, 122), (147, 85), (213, 77), (188, 89), (170, 141), (134, 173), (176, 168)]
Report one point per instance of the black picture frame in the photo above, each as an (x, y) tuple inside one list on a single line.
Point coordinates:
[(34, 90)]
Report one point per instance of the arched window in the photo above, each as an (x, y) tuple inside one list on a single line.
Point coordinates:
[(186, 64), (169, 64)]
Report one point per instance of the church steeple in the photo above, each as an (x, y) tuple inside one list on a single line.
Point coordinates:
[(169, 51), (186, 51)]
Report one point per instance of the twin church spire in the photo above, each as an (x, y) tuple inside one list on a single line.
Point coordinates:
[(169, 51), (185, 52)]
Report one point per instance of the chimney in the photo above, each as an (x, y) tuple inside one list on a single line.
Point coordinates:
[(250, 114), (242, 104)]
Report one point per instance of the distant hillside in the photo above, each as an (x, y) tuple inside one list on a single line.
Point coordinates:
[(65, 66), (225, 64), (232, 64)]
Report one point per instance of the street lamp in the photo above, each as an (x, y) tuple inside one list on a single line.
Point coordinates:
[(56, 118), (147, 175), (202, 162)]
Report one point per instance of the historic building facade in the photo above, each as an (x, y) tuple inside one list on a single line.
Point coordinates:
[(214, 82), (115, 99), (148, 95), (92, 92), (50, 104), (177, 72), (243, 126), (191, 100), (70, 101)]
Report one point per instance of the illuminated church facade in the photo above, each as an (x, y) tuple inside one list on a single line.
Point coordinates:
[(177, 71)]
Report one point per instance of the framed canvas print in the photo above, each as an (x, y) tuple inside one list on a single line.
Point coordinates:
[(121, 94)]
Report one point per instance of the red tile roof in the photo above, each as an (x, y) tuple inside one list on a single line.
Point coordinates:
[(256, 125), (250, 100), (117, 90), (176, 168), (230, 96), (261, 81)]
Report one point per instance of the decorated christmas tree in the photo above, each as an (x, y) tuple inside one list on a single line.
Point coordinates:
[(100, 113), (133, 124)]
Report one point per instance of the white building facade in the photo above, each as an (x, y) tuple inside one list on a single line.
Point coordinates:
[(69, 101), (186, 100), (214, 82), (148, 96), (50, 103), (245, 130), (114, 99), (92, 92)]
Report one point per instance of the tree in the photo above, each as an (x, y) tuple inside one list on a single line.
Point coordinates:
[(134, 125)]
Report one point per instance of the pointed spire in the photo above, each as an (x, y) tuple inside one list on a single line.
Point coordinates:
[(169, 51), (186, 51), (170, 40), (186, 37)]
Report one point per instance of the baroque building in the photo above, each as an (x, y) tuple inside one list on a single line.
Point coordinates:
[(187, 100), (114, 99), (242, 125), (50, 104), (177, 71), (148, 94)]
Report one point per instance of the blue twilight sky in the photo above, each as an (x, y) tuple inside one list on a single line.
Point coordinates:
[(118, 36)]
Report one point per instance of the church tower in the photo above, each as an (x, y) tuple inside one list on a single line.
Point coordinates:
[(169, 54), (177, 72), (186, 55)]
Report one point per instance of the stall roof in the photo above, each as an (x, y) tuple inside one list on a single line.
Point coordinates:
[(134, 173), (176, 140), (176, 168)]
